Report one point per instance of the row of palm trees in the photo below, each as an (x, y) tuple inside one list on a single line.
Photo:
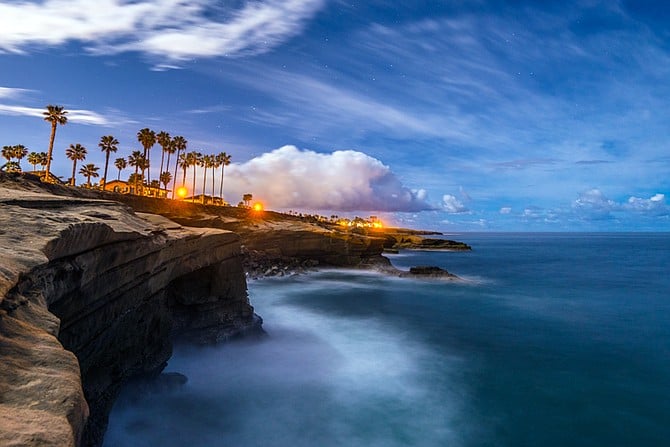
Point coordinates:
[(10, 152), (140, 160)]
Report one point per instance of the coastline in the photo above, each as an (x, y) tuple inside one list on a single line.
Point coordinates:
[(116, 255)]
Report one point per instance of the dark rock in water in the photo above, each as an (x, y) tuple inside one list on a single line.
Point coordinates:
[(424, 270), (429, 272)]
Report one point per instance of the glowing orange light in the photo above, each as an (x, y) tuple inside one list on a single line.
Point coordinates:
[(182, 191), (258, 206)]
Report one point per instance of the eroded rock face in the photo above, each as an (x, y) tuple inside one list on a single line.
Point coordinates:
[(93, 279)]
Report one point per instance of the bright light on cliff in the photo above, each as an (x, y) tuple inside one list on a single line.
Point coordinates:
[(182, 191), (258, 206)]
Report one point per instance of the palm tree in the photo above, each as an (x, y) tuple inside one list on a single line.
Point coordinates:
[(135, 179), (8, 152), (55, 115), (206, 163), (164, 140), (34, 159), (247, 198), (20, 151), (136, 159), (170, 149), (108, 144), (193, 159), (44, 157), (120, 164), (88, 171), (214, 165), (224, 160), (75, 152), (166, 178), (147, 139), (182, 162), (179, 144)]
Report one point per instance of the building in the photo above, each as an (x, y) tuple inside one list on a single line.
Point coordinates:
[(129, 188)]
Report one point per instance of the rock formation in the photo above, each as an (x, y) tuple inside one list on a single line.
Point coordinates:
[(91, 294)]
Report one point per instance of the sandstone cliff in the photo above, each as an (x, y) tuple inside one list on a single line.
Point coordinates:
[(92, 294)]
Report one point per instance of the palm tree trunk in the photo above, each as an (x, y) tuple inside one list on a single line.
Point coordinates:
[(174, 180), (204, 182), (221, 187), (162, 159), (74, 167), (212, 185), (51, 149), (136, 192), (104, 177), (118, 177), (193, 193)]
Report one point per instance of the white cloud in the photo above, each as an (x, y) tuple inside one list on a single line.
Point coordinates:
[(505, 210), (533, 212), (452, 205), (75, 115), (12, 93), (655, 205), (593, 205), (340, 181), (176, 29)]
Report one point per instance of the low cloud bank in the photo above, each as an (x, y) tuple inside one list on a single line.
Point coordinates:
[(339, 181)]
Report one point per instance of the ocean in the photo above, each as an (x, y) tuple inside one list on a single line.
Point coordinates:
[(550, 340)]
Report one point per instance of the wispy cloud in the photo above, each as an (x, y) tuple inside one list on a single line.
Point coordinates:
[(13, 93), (79, 116), (175, 29)]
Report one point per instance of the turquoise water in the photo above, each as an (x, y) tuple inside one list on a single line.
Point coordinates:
[(552, 340)]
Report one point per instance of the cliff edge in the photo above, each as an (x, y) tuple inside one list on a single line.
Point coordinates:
[(92, 294)]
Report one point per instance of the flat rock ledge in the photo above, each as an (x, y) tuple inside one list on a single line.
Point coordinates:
[(92, 295)]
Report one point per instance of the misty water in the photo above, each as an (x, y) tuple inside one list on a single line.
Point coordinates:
[(551, 340)]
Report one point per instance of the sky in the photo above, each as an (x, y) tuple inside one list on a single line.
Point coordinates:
[(452, 115)]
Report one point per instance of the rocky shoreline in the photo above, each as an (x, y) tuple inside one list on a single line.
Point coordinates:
[(95, 286)]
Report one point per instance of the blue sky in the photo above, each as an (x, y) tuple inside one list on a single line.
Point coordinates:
[(450, 115)]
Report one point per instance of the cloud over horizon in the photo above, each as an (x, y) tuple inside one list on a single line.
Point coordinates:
[(347, 180), (175, 29)]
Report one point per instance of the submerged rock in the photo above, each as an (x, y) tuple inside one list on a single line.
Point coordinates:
[(428, 272)]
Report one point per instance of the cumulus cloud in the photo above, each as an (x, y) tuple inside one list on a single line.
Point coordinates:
[(452, 205), (340, 181), (594, 205), (655, 205), (176, 29)]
